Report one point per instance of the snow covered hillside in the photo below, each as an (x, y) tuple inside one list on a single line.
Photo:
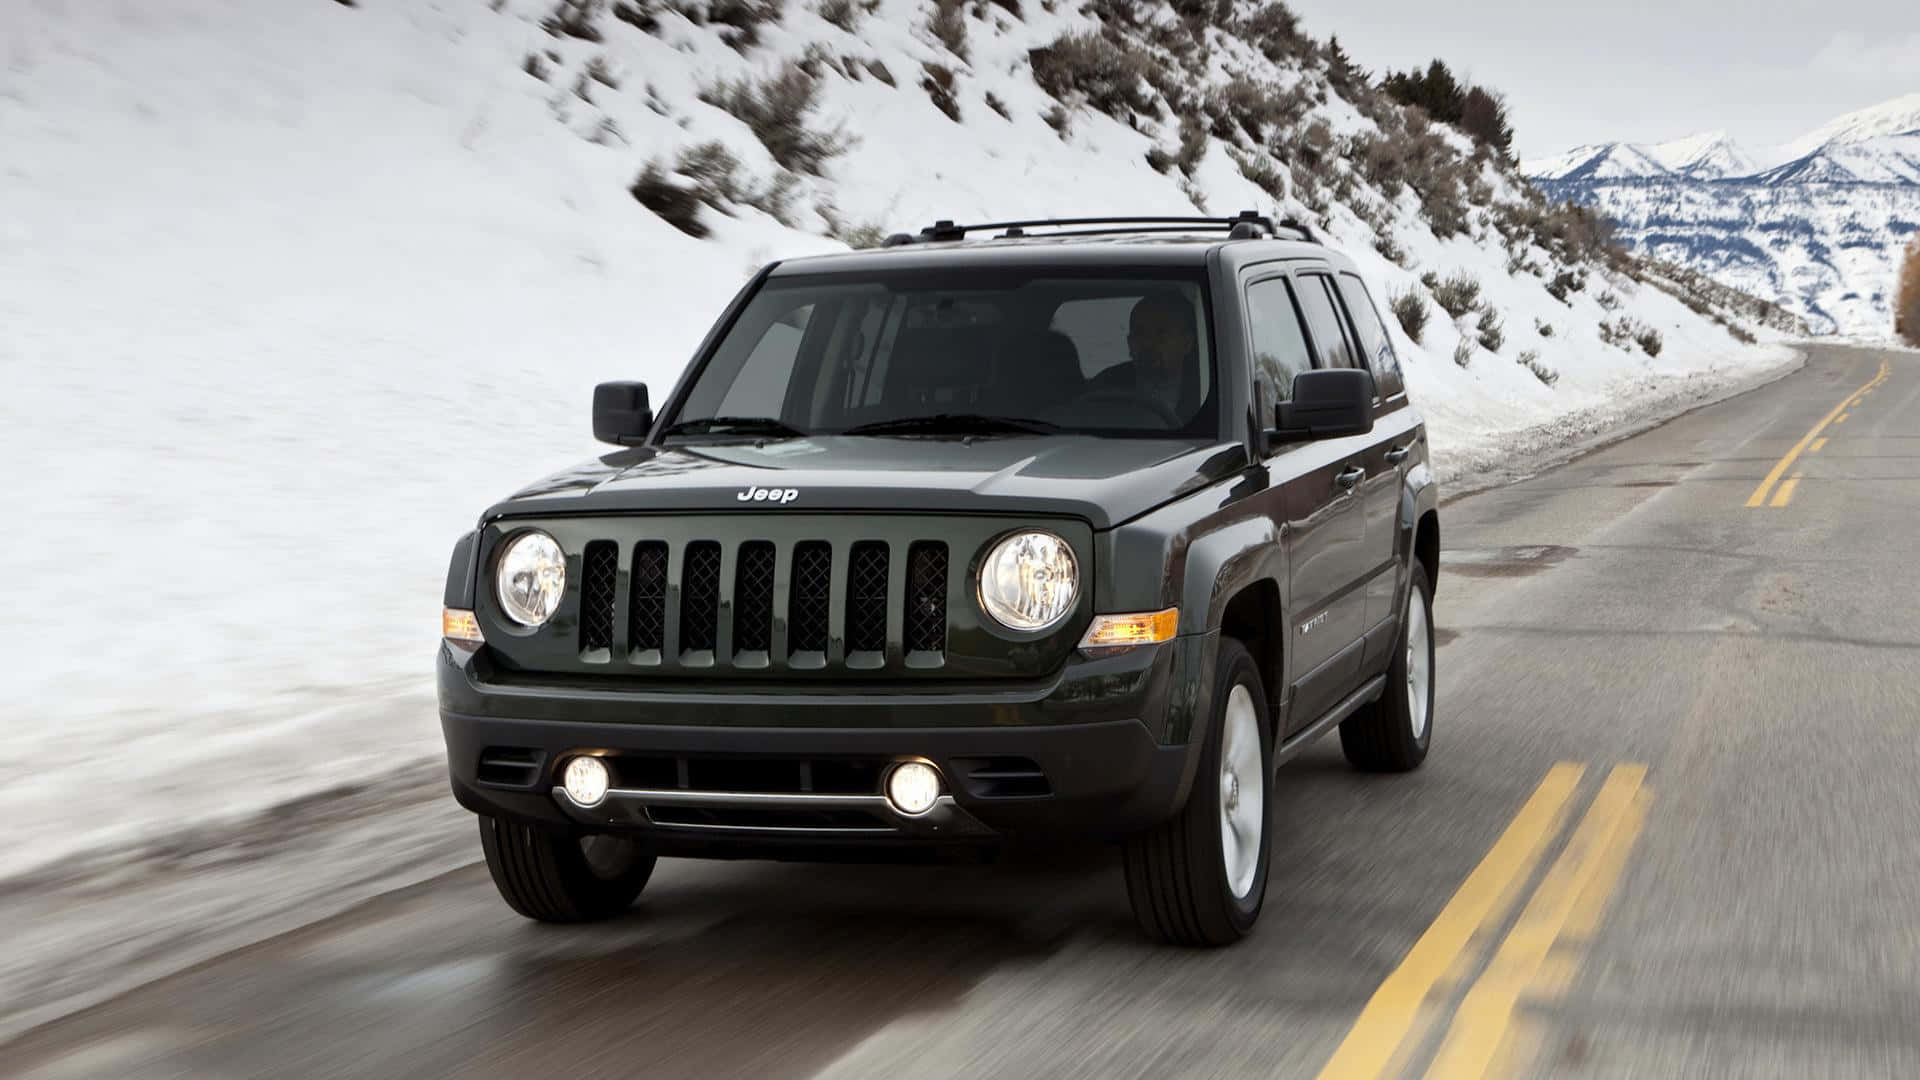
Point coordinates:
[(1816, 225), (289, 289)]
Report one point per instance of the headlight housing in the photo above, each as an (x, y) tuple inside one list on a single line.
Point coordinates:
[(530, 577), (1029, 581)]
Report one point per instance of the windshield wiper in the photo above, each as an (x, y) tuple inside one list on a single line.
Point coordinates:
[(956, 423), (741, 425)]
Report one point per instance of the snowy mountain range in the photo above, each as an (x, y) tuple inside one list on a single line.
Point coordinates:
[(1817, 224)]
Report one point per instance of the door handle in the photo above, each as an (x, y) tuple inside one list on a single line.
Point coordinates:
[(1399, 453), (1350, 476)]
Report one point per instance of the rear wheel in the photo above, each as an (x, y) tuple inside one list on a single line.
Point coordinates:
[(1199, 878), (1392, 734), (560, 877)]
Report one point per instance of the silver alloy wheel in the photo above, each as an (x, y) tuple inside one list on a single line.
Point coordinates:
[(1243, 792), (1419, 661)]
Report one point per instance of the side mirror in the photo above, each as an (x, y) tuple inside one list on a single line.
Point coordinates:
[(621, 415), (1327, 404)]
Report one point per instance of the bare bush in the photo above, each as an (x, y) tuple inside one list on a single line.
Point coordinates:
[(1530, 359), (778, 109), (937, 81), (1649, 340), (715, 173), (775, 198), (575, 18), (1608, 300), (1060, 120), (674, 204), (599, 71), (1492, 332), (1543, 328), (1906, 304), (1463, 352), (1616, 331), (743, 20), (1565, 283), (879, 71), (1275, 30), (640, 15), (536, 66), (1193, 144), (1411, 309), (844, 14), (1457, 294), (1107, 75), (948, 24), (1389, 248), (994, 103)]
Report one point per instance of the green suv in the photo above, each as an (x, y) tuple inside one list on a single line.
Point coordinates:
[(1078, 526)]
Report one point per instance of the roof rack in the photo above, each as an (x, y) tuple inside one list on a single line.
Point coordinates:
[(1246, 225)]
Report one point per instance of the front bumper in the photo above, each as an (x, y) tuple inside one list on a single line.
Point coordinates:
[(712, 770)]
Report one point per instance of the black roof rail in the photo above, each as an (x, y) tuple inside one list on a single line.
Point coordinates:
[(1246, 225)]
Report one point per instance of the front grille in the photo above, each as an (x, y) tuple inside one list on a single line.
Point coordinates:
[(599, 569), (867, 597), (700, 597), (510, 766), (753, 598), (767, 776), (647, 618), (926, 617), (692, 602), (812, 601)]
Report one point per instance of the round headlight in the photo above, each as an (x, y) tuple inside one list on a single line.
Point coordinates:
[(1029, 581), (532, 575)]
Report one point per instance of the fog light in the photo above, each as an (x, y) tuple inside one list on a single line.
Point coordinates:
[(913, 787), (586, 781)]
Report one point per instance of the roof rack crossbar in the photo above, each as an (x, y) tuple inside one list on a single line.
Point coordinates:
[(1247, 224)]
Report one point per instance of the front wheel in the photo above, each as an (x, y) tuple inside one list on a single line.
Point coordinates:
[(1199, 879), (1392, 734), (558, 877)]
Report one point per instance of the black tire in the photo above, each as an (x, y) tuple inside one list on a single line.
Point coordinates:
[(1385, 736), (559, 877), (1177, 877)]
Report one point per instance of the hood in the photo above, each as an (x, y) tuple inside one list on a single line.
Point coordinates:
[(1102, 481)]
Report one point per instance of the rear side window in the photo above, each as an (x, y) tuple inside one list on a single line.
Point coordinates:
[(1323, 322), (1279, 345), (1371, 332)]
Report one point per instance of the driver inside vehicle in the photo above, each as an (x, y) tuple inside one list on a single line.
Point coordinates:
[(1161, 345)]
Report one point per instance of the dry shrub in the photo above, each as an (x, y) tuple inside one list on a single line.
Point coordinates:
[(948, 24), (938, 83), (1411, 310), (1906, 305), (778, 110), (677, 206), (1106, 74)]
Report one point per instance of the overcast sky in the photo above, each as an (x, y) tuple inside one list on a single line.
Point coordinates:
[(1765, 71)]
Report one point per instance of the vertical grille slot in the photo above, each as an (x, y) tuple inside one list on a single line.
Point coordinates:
[(598, 572), (867, 598), (926, 615), (811, 599), (753, 598), (700, 597), (647, 610)]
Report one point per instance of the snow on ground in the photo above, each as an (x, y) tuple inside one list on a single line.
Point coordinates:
[(289, 290)]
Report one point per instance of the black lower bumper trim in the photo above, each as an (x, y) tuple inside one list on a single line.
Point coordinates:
[(1107, 778)]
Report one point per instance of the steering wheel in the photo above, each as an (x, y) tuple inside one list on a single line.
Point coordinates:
[(1128, 397)]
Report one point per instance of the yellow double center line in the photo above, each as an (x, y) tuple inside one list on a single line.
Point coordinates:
[(1761, 493), (1570, 898)]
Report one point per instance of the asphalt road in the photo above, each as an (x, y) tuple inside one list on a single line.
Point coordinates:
[(1667, 829)]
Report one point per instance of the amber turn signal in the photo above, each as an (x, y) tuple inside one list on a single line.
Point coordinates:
[(461, 628), (1123, 631)]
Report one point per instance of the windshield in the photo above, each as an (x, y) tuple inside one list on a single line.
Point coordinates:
[(975, 352)]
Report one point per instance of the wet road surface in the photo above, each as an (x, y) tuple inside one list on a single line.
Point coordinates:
[(1669, 827)]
